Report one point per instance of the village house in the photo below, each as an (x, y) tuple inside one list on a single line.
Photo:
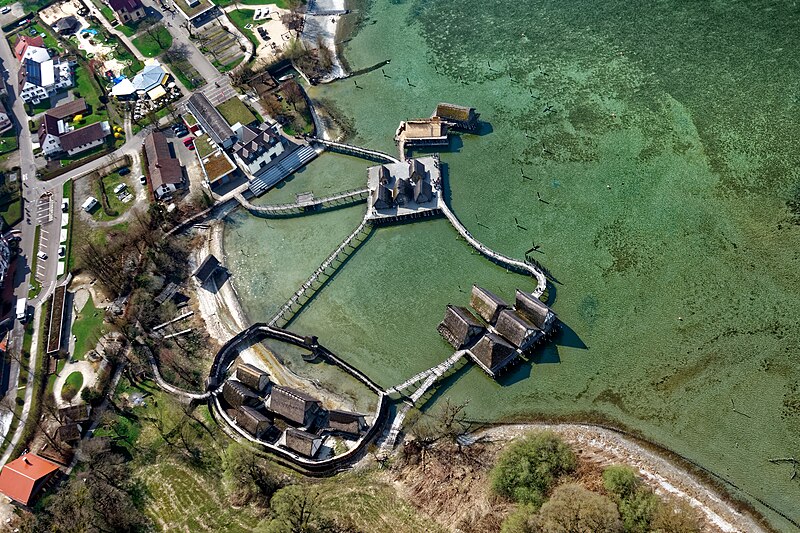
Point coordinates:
[(237, 394), (127, 11), (293, 405), (74, 413), (164, 169), (517, 329), (457, 116), (256, 148), (69, 433), (302, 442), (536, 311), (487, 304), (492, 353), (24, 41), (69, 110), (58, 135), (211, 120), (206, 269), (410, 184), (67, 26), (40, 76), (350, 424), (252, 376), (252, 421), (460, 327), (23, 478)]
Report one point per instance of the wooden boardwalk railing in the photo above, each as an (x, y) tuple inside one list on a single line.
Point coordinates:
[(349, 149), (353, 196)]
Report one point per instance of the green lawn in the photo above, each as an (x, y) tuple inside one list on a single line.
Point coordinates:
[(149, 46), (234, 111), (49, 39), (35, 285), (86, 86), (122, 53), (67, 194), (87, 328), (11, 204), (278, 3), (115, 207), (223, 68), (72, 385), (242, 17), (8, 141), (187, 74)]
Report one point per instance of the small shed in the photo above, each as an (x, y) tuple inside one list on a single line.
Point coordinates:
[(237, 394), (206, 268), (460, 327), (303, 442), (252, 376), (492, 353), (346, 422), (487, 304), (252, 421), (293, 405)]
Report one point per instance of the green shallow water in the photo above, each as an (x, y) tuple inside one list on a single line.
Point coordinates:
[(666, 156)]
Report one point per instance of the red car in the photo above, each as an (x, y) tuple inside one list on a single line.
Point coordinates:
[(188, 141)]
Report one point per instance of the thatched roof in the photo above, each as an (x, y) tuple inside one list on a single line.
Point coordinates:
[(252, 421), (74, 413), (252, 376), (69, 433), (238, 394), (492, 353), (346, 422), (206, 268), (423, 192), (487, 304), (456, 113), (302, 442), (292, 404), (460, 327), (535, 310), (516, 329)]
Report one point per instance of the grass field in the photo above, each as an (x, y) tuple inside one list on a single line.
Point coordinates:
[(122, 53), (72, 385), (8, 141), (35, 286), (67, 194), (87, 88), (234, 111), (278, 3), (87, 328), (148, 45), (11, 204), (240, 18), (116, 207)]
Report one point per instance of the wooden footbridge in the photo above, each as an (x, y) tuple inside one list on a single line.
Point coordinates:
[(337, 200), (358, 151), (425, 379), (310, 286), (500, 259)]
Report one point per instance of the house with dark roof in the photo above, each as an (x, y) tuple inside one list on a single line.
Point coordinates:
[(74, 413), (164, 168), (487, 304), (69, 110), (237, 394), (517, 329), (67, 25), (58, 135), (460, 327), (68, 433), (254, 422), (492, 353), (302, 442), (256, 148), (252, 376), (206, 268), (41, 76), (5, 120), (409, 185), (293, 405), (346, 422), (23, 478), (127, 10), (457, 116), (535, 310), (211, 120)]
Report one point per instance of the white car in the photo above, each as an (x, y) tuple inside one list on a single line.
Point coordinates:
[(143, 179), (41, 255)]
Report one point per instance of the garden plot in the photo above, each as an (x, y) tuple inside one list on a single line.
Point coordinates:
[(221, 46)]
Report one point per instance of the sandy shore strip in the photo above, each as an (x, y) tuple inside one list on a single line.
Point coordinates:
[(322, 29), (606, 447)]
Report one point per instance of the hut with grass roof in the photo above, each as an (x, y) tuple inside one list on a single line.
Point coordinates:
[(493, 354), (487, 304), (460, 327)]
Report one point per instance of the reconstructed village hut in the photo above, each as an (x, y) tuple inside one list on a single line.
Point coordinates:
[(383, 194), (74, 413), (346, 422), (487, 304), (403, 191), (206, 268), (69, 433), (293, 405), (302, 442), (252, 376), (517, 329), (492, 353), (459, 116), (423, 191), (22, 479), (237, 394), (460, 327), (535, 310), (252, 421)]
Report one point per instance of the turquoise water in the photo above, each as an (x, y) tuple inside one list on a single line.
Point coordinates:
[(663, 137)]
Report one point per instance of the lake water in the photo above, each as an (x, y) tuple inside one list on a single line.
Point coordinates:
[(663, 137)]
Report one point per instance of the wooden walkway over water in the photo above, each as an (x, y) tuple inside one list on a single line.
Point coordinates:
[(344, 198), (500, 259), (308, 289), (358, 151)]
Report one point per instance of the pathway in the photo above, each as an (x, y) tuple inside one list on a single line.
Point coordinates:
[(357, 195), (358, 151), (89, 379), (429, 376), (511, 264)]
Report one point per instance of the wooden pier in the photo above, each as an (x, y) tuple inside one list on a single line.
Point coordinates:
[(305, 206), (357, 151)]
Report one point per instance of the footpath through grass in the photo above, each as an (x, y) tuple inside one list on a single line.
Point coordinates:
[(87, 328), (240, 18)]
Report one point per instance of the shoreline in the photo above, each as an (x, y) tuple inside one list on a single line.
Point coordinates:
[(324, 29)]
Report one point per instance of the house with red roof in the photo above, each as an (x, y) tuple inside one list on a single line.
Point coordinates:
[(24, 41), (23, 478), (127, 10)]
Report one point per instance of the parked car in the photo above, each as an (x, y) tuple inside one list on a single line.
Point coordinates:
[(188, 140), (123, 171), (41, 255), (5, 10), (190, 146), (62, 251), (65, 205), (119, 188), (89, 204), (143, 179)]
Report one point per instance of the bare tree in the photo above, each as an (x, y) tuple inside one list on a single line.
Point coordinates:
[(154, 31)]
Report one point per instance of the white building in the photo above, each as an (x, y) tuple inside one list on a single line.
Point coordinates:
[(58, 135), (256, 148), (40, 76)]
